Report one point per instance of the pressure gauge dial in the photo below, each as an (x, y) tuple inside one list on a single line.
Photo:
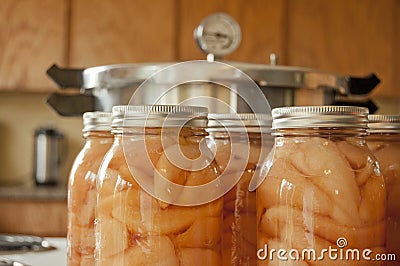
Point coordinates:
[(218, 34)]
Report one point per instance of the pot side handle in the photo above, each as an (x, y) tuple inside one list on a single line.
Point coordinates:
[(66, 77), (362, 85)]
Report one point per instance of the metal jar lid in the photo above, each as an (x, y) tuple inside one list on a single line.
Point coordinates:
[(384, 123), (96, 121), (320, 117), (159, 116), (240, 122)]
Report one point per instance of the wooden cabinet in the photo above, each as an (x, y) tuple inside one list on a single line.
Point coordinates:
[(348, 37), (345, 37), (395, 90), (121, 31), (33, 36), (34, 217)]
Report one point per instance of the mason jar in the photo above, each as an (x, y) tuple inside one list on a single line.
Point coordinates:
[(158, 193), (238, 140), (323, 200), (384, 142), (82, 188)]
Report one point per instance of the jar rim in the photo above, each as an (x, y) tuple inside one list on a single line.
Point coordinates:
[(96, 121), (384, 124), (239, 122), (327, 116), (158, 116)]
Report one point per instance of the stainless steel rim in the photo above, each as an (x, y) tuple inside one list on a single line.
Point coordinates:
[(97, 121), (320, 117), (158, 116), (384, 123)]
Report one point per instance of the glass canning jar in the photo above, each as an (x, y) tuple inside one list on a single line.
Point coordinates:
[(323, 200), (82, 188), (238, 140), (384, 142), (155, 206)]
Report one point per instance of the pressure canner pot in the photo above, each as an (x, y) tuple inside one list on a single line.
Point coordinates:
[(99, 88)]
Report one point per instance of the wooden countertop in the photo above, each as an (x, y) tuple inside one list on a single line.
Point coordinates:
[(34, 210), (57, 193)]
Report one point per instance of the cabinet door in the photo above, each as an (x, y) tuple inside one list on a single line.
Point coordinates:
[(348, 37), (32, 37), (396, 61), (46, 217), (121, 31), (261, 21)]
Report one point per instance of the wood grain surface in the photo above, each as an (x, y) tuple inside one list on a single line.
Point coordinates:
[(121, 31), (395, 89), (43, 218), (347, 37), (354, 37), (32, 37)]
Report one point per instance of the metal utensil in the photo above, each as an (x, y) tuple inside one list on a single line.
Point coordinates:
[(14, 242), (47, 155), (10, 262)]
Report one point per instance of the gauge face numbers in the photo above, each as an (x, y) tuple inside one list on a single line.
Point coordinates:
[(218, 34)]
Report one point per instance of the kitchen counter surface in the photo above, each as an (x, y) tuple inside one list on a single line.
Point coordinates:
[(34, 210), (34, 193), (42, 258)]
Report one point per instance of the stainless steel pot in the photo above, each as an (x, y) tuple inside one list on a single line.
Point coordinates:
[(101, 87), (217, 35)]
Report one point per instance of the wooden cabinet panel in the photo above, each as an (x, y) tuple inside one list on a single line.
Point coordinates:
[(43, 218), (32, 37), (121, 31), (396, 60), (262, 23), (349, 37)]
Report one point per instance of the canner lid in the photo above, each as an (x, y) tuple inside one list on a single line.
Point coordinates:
[(265, 75)]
